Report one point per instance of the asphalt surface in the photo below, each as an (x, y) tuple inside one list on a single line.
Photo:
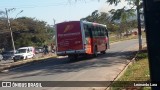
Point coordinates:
[(8, 62), (105, 67)]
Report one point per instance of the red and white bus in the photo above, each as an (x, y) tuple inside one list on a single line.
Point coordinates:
[(75, 38)]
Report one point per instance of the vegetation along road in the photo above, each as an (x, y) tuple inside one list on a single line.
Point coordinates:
[(105, 67)]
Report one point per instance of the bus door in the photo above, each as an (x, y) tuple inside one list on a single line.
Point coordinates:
[(107, 36), (88, 38)]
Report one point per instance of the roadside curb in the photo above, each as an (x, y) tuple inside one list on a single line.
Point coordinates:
[(123, 70), (23, 62)]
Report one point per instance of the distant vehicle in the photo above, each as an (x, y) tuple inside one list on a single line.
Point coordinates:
[(8, 55), (24, 53), (81, 37), (1, 57), (39, 50)]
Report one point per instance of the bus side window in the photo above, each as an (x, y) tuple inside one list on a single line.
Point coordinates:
[(86, 31), (99, 31), (93, 31), (90, 28), (96, 31), (105, 32), (102, 31)]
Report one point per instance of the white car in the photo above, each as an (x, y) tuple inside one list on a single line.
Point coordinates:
[(24, 53)]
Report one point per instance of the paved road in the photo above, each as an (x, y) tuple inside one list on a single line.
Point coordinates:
[(103, 68), (7, 62)]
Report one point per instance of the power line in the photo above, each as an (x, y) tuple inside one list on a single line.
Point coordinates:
[(51, 5)]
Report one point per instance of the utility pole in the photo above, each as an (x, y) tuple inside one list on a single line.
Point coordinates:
[(54, 27), (18, 14), (152, 27), (139, 25), (9, 25), (54, 21)]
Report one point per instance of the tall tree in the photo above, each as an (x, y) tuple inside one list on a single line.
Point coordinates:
[(138, 5), (101, 17), (26, 32), (123, 17), (29, 32)]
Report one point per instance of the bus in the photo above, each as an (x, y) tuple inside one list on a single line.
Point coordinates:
[(76, 38)]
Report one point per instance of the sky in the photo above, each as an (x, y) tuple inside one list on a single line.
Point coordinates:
[(58, 10)]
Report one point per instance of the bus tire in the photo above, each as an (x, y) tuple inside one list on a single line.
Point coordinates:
[(103, 52), (14, 60), (106, 46), (95, 52)]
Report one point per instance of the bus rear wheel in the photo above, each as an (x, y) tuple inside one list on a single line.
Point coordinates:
[(103, 52), (95, 52)]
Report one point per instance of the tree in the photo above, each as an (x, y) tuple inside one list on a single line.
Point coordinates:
[(29, 32), (5, 38), (102, 18), (123, 17), (138, 5), (26, 32), (112, 19), (51, 34)]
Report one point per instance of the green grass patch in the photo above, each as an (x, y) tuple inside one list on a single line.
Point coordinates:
[(138, 71), (113, 37)]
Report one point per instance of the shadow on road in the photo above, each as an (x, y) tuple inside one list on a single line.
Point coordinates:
[(53, 66)]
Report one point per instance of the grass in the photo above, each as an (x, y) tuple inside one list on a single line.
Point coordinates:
[(113, 38), (138, 71)]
